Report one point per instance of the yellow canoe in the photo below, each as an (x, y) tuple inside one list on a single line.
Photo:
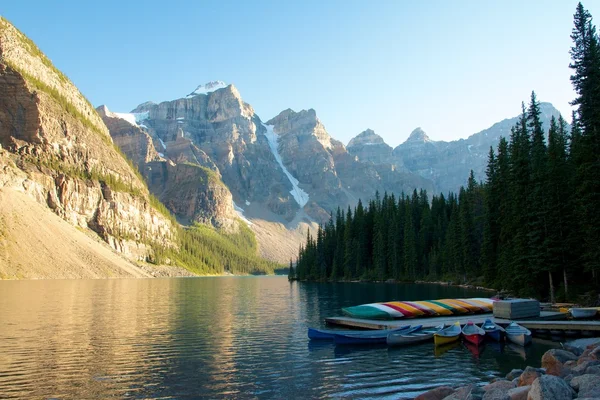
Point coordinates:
[(458, 308), (475, 308), (487, 306), (438, 309), (447, 335)]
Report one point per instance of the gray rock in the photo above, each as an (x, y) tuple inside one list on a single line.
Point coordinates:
[(515, 373), (496, 394), (585, 384), (577, 350), (519, 393), (550, 387), (581, 368), (593, 370)]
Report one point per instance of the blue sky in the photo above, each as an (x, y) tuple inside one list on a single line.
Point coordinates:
[(450, 67)]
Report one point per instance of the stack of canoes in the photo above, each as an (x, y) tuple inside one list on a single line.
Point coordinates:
[(410, 309)]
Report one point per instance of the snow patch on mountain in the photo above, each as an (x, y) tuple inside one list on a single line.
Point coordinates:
[(207, 88), (133, 118), (240, 212), (299, 195)]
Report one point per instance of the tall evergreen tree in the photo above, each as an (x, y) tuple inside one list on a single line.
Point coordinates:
[(585, 54)]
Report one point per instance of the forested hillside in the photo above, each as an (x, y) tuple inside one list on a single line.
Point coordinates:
[(532, 227)]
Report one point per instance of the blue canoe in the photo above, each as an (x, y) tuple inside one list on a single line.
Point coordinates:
[(374, 337), (329, 334), (493, 330)]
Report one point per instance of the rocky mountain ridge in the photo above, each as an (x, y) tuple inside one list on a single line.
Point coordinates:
[(282, 170), (446, 164)]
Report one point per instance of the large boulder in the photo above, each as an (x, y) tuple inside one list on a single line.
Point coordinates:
[(529, 375), (519, 393), (586, 385), (553, 361), (436, 394), (550, 387)]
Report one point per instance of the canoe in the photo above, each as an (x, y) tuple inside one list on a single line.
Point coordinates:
[(447, 335), (417, 336), (583, 312), (456, 309), (435, 307), (467, 306), (407, 310), (518, 334), (473, 334), (372, 311), (376, 337), (426, 310), (481, 306), (493, 330), (328, 334)]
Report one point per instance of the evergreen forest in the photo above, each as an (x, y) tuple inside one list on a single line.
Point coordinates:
[(532, 227)]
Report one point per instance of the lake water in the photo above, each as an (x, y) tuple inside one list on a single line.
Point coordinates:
[(224, 337)]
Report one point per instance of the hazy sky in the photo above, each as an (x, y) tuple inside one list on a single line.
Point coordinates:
[(450, 67)]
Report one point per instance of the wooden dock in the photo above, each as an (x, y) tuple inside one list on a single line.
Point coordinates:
[(547, 321)]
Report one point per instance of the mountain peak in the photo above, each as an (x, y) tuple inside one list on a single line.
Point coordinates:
[(207, 88), (366, 138), (418, 135)]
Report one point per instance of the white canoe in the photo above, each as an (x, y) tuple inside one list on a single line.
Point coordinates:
[(583, 312), (518, 334), (420, 335)]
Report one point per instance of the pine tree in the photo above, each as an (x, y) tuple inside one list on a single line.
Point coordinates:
[(585, 54), (537, 196)]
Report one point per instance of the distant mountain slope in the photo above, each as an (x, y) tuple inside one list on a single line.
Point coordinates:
[(447, 164)]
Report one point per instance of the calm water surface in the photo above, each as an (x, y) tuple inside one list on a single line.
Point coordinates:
[(242, 337)]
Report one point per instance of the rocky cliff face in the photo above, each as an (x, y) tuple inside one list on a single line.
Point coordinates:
[(183, 178), (58, 151), (214, 128), (447, 164)]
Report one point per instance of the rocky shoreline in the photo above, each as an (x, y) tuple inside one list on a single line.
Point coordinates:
[(569, 373)]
